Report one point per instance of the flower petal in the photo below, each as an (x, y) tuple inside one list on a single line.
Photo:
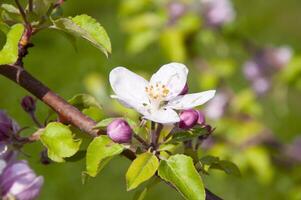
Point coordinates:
[(128, 86), (190, 100), (163, 116), (141, 108), (173, 76)]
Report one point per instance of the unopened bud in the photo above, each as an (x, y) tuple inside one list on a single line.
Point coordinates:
[(201, 118), (28, 104), (120, 131), (188, 119), (44, 159)]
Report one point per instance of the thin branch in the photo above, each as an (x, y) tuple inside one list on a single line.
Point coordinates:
[(30, 5), (153, 133), (35, 120), (141, 140), (58, 104), (170, 134), (158, 131), (63, 108), (23, 14)]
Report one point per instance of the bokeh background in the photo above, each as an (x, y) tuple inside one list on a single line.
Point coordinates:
[(267, 173)]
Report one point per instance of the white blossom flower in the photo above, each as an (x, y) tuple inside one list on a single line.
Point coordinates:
[(157, 99)]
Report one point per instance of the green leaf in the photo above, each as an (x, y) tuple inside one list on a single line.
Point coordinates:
[(82, 101), (209, 160), (40, 7), (85, 27), (227, 166), (10, 14), (179, 171), (4, 27), (100, 151), (224, 165), (182, 136), (141, 194), (94, 113), (9, 53), (59, 141), (77, 157), (141, 169), (105, 122), (10, 8)]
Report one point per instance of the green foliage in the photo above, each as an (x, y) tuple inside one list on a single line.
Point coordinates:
[(105, 122), (182, 136), (224, 165), (179, 170), (59, 141), (100, 151), (4, 27), (9, 53), (85, 27), (139, 41), (10, 14), (10, 9), (141, 194), (141, 169), (260, 161), (40, 7), (82, 101), (172, 42), (88, 105)]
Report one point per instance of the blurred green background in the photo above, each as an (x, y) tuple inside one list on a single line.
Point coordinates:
[(54, 61)]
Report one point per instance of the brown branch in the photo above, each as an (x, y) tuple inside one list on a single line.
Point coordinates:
[(62, 107), (58, 104)]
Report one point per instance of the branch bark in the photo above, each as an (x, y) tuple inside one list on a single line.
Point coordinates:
[(68, 112), (58, 104)]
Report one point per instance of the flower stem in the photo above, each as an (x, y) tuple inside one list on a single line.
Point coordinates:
[(158, 131), (170, 133), (153, 134), (22, 12), (141, 140), (35, 120), (30, 5)]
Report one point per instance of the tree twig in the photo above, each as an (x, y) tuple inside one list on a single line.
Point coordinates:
[(22, 12), (62, 107)]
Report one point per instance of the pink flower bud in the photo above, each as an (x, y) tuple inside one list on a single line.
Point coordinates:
[(120, 131), (201, 118), (184, 90), (28, 104), (188, 118)]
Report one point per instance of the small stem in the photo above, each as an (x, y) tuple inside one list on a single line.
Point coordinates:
[(23, 14), (158, 131), (30, 5), (141, 140), (153, 134), (35, 120), (169, 135)]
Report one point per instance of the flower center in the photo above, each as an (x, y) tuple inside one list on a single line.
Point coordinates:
[(157, 92)]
